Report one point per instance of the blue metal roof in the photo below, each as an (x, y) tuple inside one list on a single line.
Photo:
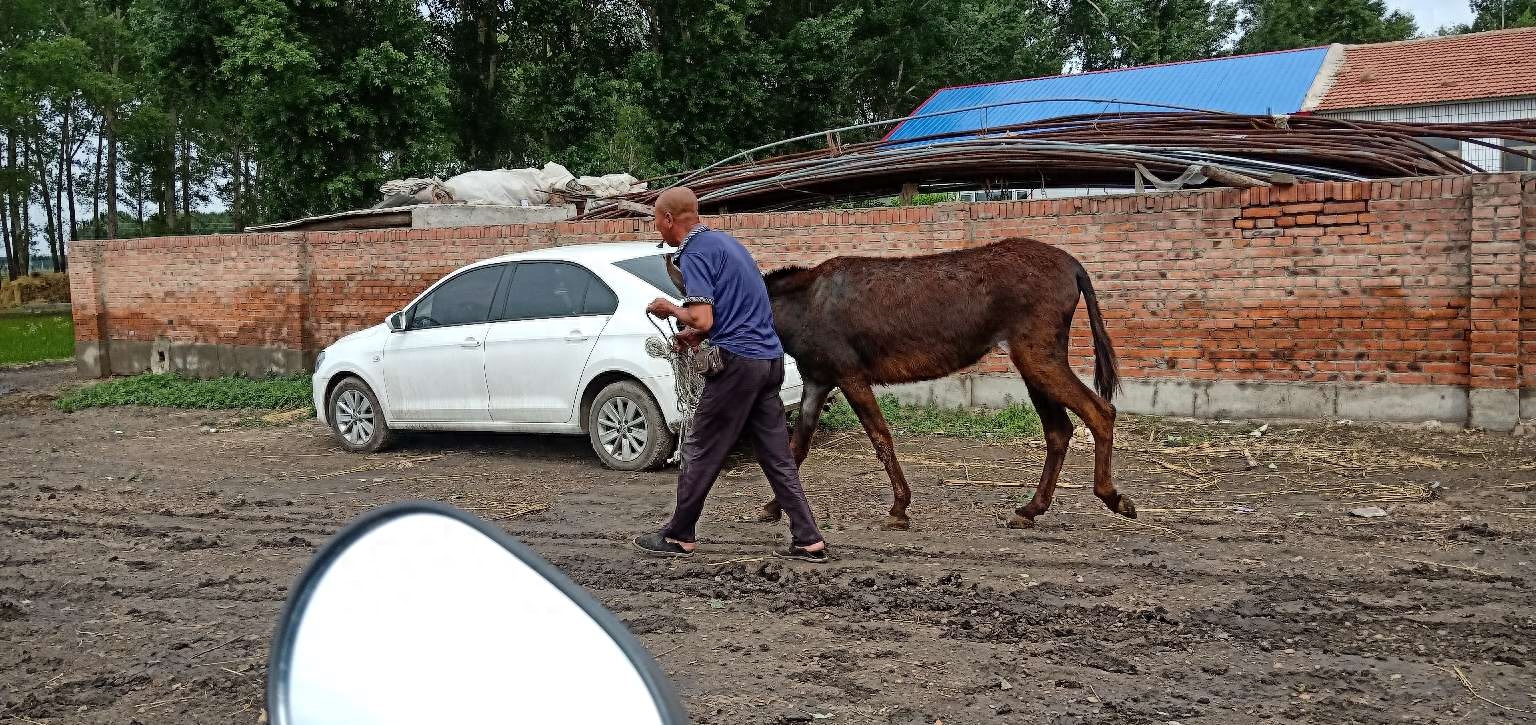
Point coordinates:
[(1250, 84)]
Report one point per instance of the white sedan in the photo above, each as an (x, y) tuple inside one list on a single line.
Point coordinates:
[(549, 341)]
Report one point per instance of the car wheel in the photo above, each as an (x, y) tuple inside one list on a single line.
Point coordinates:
[(627, 429), (356, 418)]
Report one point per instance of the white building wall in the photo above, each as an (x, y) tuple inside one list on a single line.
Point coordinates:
[(1504, 109)]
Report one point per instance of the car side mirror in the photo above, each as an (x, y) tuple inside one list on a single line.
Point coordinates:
[(421, 613), (396, 322)]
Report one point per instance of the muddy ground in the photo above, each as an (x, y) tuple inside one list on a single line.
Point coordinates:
[(145, 559)]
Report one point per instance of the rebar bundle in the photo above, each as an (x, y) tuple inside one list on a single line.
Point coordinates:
[(1085, 151)]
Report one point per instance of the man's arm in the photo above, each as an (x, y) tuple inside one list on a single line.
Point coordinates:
[(698, 315), (698, 309)]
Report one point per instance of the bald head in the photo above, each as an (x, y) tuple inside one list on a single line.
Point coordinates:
[(678, 201), (677, 212)]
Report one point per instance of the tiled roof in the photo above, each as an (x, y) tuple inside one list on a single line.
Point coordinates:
[(1450, 69)]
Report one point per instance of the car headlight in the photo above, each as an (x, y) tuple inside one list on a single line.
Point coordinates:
[(319, 360)]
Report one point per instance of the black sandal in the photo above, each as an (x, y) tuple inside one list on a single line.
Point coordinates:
[(798, 553), (657, 545)]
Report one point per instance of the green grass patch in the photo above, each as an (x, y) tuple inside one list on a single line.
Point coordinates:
[(1013, 421), (178, 391), (26, 337)]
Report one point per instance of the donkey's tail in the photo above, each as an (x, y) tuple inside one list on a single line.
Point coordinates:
[(1106, 374)]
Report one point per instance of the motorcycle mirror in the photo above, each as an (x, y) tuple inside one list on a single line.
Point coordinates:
[(419, 613)]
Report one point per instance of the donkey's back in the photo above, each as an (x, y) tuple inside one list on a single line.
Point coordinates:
[(917, 318)]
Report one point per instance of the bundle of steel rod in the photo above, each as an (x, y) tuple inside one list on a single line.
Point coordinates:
[(1200, 148)]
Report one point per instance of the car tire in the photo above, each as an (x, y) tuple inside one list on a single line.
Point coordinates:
[(357, 419), (627, 430)]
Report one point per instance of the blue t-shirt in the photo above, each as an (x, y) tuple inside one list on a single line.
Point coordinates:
[(718, 271)]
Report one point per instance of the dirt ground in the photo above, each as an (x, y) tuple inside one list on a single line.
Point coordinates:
[(146, 557)]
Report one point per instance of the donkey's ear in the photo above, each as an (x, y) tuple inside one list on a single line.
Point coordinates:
[(675, 274)]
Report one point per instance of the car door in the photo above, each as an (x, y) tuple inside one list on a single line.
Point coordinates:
[(537, 350), (434, 370)]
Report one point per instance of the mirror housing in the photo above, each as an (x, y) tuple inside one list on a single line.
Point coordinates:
[(419, 612), (396, 321)]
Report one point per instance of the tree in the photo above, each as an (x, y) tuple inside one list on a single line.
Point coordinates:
[(1286, 24), (1496, 15), (1106, 34), (331, 97), (906, 49)]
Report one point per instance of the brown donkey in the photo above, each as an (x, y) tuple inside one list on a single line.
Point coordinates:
[(856, 322)]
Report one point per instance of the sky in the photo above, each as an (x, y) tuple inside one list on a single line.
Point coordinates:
[(1433, 14)]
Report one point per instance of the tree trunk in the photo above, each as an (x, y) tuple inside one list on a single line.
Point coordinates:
[(5, 233), (109, 124), (186, 184), (101, 143), (8, 216), (62, 261), (23, 251), (40, 164), (237, 172), (168, 176), (58, 192), (252, 191), (140, 187)]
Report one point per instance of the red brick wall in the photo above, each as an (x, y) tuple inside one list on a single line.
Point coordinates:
[(1417, 281)]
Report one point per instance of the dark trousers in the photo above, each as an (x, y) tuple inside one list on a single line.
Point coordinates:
[(744, 396)]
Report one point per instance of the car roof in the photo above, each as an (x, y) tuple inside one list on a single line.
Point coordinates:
[(583, 253)]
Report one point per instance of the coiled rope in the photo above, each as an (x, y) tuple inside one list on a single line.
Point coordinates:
[(689, 384)]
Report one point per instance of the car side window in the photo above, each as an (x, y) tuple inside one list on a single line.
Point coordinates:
[(463, 300), (600, 299), (556, 289)]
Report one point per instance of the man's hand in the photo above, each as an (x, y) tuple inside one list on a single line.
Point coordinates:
[(688, 338), (662, 307)]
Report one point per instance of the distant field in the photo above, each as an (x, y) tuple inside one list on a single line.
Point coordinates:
[(28, 337)]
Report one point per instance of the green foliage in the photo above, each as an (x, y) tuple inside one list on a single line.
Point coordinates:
[(1286, 24), (1013, 421), (1496, 15), (176, 391), (26, 337), (924, 200), (1119, 33)]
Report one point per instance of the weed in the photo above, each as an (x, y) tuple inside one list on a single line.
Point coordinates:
[(1011, 421), (178, 391)]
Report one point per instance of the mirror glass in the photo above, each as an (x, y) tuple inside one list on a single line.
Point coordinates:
[(396, 321), (424, 618)]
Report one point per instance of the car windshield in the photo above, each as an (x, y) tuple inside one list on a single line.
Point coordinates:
[(651, 268)]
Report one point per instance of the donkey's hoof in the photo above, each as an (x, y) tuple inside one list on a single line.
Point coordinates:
[(1020, 522), (1126, 507), (760, 516), (896, 523)]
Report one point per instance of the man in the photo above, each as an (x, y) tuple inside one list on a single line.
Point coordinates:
[(728, 302)]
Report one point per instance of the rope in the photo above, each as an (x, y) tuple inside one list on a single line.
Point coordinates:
[(690, 385)]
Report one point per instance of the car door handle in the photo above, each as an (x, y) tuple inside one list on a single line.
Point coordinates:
[(470, 342), (576, 336)]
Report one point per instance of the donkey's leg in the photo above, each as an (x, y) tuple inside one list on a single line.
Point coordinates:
[(1056, 379), (862, 398), (1058, 434), (812, 397)]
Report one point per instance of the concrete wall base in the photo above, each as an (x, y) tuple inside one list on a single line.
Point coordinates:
[(1494, 409), (1224, 399), (130, 357)]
